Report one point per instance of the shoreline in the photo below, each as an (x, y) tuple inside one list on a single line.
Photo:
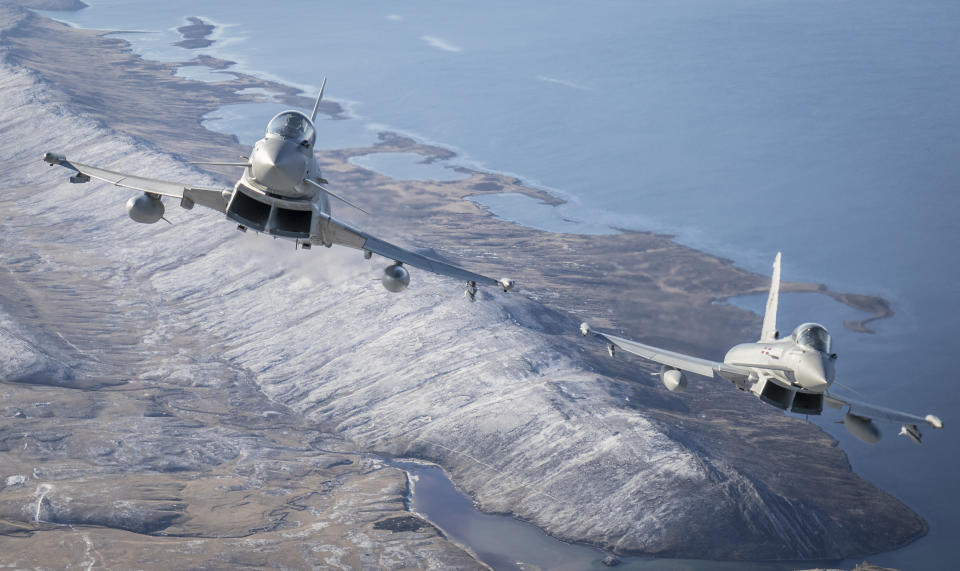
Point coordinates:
[(444, 203), (875, 306)]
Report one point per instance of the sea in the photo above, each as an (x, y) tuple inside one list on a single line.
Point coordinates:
[(826, 130)]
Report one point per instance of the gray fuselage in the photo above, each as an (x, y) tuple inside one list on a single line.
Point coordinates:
[(801, 363), (278, 192)]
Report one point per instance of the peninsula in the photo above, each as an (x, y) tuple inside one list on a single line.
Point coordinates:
[(191, 393)]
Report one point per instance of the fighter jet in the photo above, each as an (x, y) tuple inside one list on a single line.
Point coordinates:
[(793, 374), (281, 193)]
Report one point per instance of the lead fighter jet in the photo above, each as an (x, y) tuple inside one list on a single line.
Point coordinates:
[(791, 374), (280, 193)]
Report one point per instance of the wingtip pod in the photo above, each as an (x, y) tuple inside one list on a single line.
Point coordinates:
[(912, 432), (507, 284), (53, 158), (585, 329)]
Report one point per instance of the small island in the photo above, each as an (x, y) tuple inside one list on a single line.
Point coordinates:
[(196, 34)]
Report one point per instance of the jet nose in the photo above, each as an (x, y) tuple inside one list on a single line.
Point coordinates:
[(813, 374), (279, 165)]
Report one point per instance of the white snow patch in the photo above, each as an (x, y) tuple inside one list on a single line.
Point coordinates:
[(440, 44), (16, 480), (472, 386), (564, 82)]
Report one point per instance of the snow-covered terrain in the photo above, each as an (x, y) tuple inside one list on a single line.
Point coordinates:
[(478, 387), (498, 392)]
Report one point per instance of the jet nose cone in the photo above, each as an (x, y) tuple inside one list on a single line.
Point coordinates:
[(279, 165), (813, 374)]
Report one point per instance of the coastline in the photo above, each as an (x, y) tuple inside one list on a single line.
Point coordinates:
[(480, 182), (679, 282)]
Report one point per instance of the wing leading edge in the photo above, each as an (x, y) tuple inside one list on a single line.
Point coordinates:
[(867, 410), (704, 367), (210, 197), (332, 230), (337, 232), (858, 415)]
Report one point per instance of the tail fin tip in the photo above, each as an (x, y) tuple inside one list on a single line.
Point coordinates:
[(316, 106), (769, 330)]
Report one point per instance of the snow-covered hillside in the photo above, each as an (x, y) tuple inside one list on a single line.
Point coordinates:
[(498, 392)]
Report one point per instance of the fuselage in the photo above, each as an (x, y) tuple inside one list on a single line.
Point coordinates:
[(801, 364), (273, 195), (283, 160)]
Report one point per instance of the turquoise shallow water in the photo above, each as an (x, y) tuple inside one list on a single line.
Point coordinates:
[(823, 129)]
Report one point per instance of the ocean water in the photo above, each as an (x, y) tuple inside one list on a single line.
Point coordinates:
[(507, 544), (827, 130)]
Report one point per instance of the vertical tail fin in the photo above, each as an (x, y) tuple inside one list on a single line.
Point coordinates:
[(769, 330), (316, 106)]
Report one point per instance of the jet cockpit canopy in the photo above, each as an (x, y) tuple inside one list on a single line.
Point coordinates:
[(292, 125), (812, 336)]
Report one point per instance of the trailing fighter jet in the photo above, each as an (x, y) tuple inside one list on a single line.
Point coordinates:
[(280, 193), (792, 374)]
